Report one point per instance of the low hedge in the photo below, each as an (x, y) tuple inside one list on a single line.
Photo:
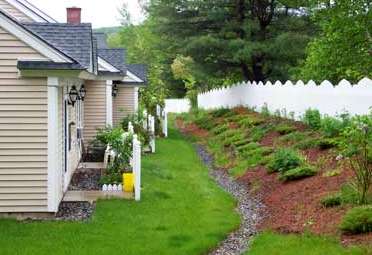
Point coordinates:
[(332, 200), (358, 220), (297, 173)]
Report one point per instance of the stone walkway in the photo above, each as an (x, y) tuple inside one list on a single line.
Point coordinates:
[(249, 208)]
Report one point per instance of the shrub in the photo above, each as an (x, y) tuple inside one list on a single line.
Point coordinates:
[(357, 220), (265, 110), (258, 132), (222, 112), (331, 200), (297, 173), (284, 129), (285, 159), (327, 143), (121, 144), (220, 129), (331, 127), (312, 118), (357, 147)]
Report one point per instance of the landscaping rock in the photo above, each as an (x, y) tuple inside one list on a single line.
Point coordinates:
[(85, 179), (75, 211), (249, 208)]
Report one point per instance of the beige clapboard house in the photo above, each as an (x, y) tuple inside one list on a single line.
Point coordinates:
[(59, 82)]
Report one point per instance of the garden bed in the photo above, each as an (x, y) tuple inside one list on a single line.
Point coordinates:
[(292, 206)]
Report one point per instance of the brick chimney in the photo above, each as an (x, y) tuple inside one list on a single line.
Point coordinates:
[(74, 15)]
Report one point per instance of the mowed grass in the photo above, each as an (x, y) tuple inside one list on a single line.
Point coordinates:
[(182, 212), (275, 244)]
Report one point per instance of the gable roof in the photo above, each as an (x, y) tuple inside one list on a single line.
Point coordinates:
[(139, 70), (116, 57), (32, 39), (73, 40), (31, 11)]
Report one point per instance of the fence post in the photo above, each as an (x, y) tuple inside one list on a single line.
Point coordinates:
[(130, 128), (152, 132), (165, 123), (137, 168)]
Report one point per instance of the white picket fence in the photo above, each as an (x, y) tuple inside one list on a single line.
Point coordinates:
[(177, 105), (135, 163), (293, 97)]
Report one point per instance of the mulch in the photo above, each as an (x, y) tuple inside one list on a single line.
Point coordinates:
[(295, 207)]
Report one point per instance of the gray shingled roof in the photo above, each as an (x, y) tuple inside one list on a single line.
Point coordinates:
[(73, 40), (115, 57), (139, 70), (101, 40), (47, 65)]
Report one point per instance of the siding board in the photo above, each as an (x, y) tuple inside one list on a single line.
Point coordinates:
[(123, 104), (23, 129), (94, 109)]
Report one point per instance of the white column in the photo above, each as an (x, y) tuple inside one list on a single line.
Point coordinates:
[(136, 99), (137, 168), (109, 103), (165, 123), (54, 171), (152, 132)]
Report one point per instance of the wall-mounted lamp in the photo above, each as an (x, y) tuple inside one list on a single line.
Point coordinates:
[(114, 90), (82, 92), (73, 96)]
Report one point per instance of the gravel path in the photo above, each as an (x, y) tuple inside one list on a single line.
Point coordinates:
[(248, 207)]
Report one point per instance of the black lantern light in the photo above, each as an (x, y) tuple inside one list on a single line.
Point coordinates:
[(114, 90), (82, 92), (73, 95)]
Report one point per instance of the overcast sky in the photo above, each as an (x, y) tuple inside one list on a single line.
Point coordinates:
[(101, 13)]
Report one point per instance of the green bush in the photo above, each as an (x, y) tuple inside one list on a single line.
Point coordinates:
[(220, 129), (284, 129), (258, 132), (331, 200), (297, 173), (327, 143), (265, 110), (358, 220), (285, 159), (312, 118), (222, 112), (331, 127)]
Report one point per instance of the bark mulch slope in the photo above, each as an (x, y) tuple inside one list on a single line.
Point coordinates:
[(294, 207)]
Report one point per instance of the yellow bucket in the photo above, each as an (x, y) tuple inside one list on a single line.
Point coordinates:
[(128, 182)]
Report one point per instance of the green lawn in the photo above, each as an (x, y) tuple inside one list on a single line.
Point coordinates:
[(182, 212), (275, 244)]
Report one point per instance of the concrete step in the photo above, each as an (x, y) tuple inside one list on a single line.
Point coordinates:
[(92, 196)]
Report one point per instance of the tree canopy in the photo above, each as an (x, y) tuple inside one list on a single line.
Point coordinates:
[(224, 41)]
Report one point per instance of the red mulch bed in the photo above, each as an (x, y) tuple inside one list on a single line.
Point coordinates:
[(191, 129), (269, 139), (294, 207)]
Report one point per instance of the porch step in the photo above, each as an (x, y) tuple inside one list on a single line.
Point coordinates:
[(92, 196), (91, 165)]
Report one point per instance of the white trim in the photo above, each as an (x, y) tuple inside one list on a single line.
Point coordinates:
[(53, 162), (135, 94), (107, 66), (32, 40), (31, 11), (131, 77), (109, 104)]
